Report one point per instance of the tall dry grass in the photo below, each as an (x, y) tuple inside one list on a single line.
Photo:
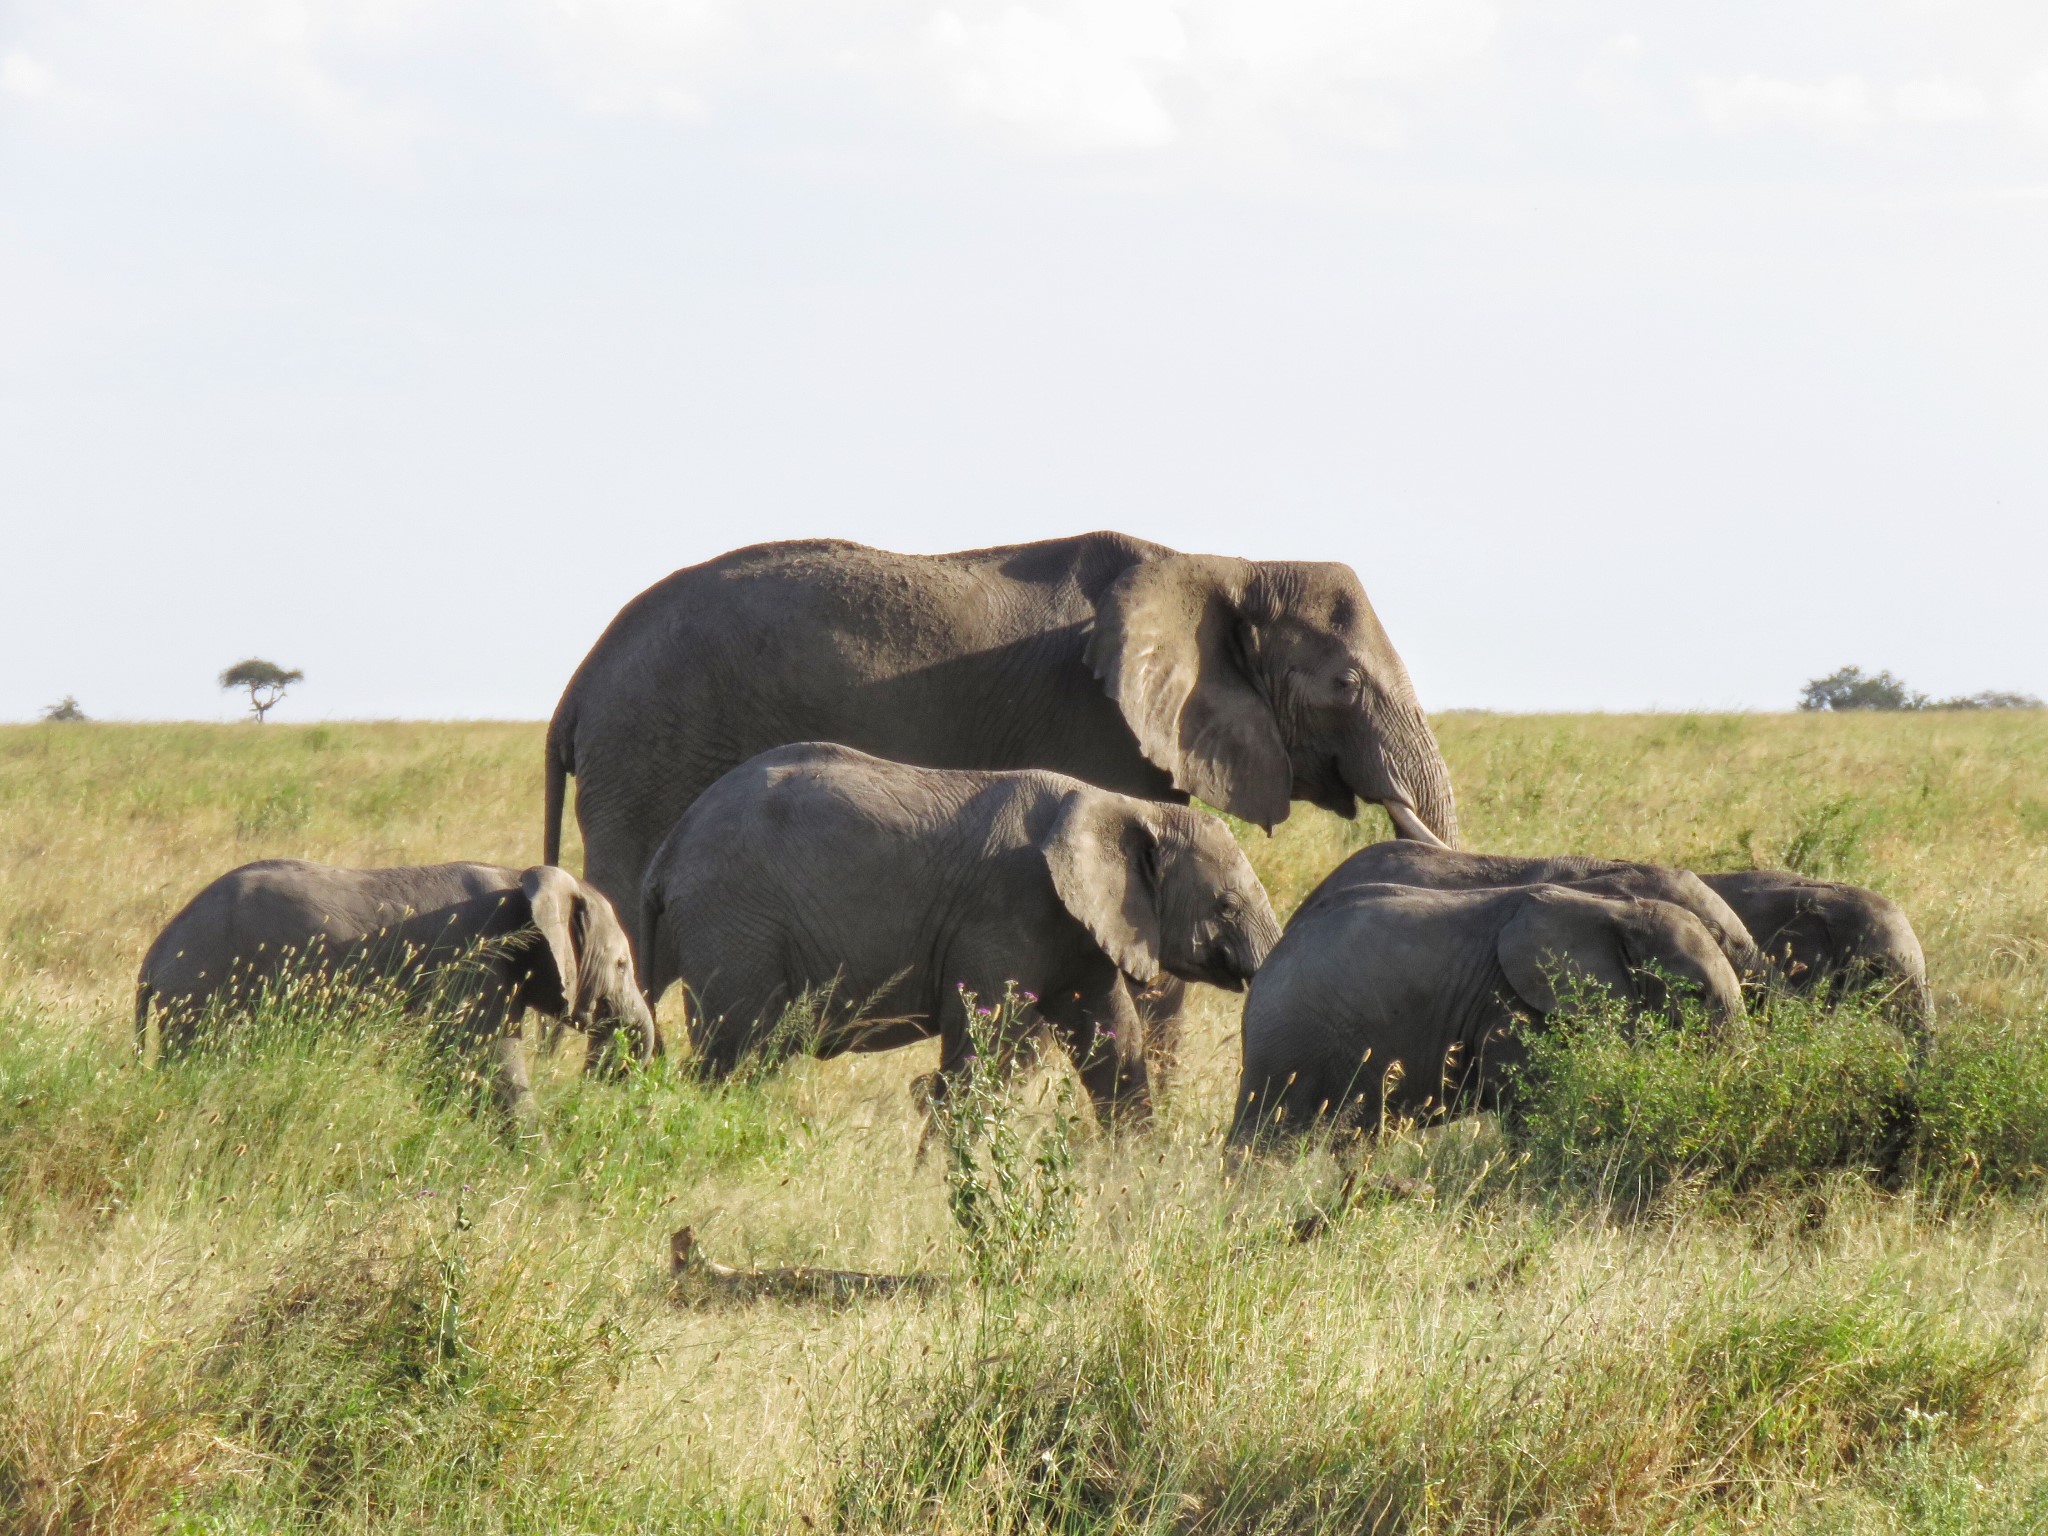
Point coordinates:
[(300, 1289)]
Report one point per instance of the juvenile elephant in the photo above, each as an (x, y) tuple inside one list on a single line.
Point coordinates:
[(1449, 869), (881, 890), (1815, 931), (1402, 1001), (558, 949), (1127, 665)]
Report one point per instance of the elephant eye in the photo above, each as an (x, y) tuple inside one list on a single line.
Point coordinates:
[(1350, 680)]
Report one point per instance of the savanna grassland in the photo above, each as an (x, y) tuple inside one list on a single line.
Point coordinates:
[(298, 1285)]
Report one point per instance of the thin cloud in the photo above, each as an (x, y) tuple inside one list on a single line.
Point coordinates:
[(1940, 100), (1840, 107)]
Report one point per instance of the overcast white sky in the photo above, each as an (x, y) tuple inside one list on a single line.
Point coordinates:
[(1634, 354)]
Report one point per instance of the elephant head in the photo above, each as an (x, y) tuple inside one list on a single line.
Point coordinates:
[(1161, 888), (1633, 947), (592, 961), (1254, 684)]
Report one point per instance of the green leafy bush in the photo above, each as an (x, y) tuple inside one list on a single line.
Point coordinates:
[(1618, 1107), (1983, 1104), (1010, 1183)]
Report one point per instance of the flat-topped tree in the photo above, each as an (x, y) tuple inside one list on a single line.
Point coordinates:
[(265, 680)]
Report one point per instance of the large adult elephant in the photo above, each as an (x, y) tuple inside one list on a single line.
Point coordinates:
[(1130, 666)]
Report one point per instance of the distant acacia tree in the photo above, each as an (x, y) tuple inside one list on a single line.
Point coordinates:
[(265, 680), (65, 708), (1850, 689)]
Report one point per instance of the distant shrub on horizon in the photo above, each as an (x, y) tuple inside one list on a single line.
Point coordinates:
[(1852, 688)]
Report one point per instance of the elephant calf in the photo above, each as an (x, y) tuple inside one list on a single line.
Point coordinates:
[(1816, 931), (1448, 869), (1397, 1000), (877, 892), (560, 950)]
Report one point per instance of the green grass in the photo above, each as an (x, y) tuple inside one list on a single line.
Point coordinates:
[(297, 1285)]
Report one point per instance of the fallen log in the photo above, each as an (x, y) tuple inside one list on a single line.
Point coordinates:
[(690, 1272)]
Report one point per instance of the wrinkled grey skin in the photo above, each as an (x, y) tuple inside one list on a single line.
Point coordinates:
[(1121, 663), (815, 866), (563, 953), (1435, 987), (1450, 869), (1813, 931)]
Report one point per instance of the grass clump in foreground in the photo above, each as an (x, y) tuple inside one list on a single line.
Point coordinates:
[(1207, 1388), (299, 1285)]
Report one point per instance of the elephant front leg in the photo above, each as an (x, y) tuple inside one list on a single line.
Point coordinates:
[(1105, 1034), (1160, 1008), (512, 1086)]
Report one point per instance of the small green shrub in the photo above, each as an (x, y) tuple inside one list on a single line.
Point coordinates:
[(1619, 1108), (1983, 1104), (1010, 1184)]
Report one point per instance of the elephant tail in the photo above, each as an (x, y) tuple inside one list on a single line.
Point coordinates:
[(144, 992), (558, 770)]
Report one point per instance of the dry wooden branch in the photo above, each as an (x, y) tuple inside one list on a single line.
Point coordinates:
[(691, 1272)]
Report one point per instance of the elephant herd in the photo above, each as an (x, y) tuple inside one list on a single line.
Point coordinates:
[(820, 781)]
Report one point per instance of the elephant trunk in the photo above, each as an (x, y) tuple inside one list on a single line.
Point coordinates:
[(1400, 767)]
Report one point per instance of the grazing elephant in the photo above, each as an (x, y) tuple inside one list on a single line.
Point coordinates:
[(1815, 931), (1127, 665), (879, 891), (559, 950), (1395, 1000), (1448, 869)]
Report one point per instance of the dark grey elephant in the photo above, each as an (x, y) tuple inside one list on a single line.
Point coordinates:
[(1121, 663), (1402, 1001), (878, 891), (1450, 869), (1815, 931), (485, 941)]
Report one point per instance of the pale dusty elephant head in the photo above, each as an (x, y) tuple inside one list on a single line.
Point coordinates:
[(1256, 683)]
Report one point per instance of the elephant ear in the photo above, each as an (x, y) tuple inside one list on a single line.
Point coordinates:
[(1560, 935), (555, 896), (1170, 643), (1105, 866)]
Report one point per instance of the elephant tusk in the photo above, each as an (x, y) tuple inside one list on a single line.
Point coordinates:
[(1411, 826)]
